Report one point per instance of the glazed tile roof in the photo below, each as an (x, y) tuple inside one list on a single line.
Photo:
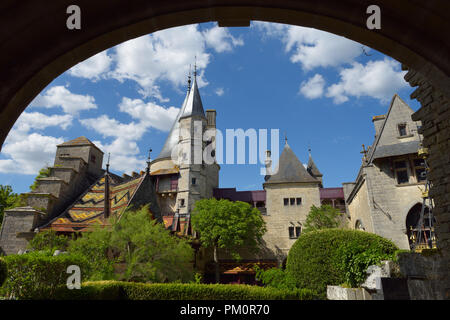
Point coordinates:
[(88, 209)]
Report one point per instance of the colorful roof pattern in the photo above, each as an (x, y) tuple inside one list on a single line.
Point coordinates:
[(88, 210)]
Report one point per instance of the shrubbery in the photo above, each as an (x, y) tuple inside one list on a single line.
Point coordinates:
[(114, 290), (37, 274), (335, 256), (276, 278), (49, 240)]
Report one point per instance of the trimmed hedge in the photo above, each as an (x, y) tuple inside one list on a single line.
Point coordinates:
[(37, 274), (326, 257), (118, 290)]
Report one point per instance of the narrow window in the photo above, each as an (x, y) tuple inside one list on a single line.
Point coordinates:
[(286, 201), (291, 233), (181, 202), (299, 201), (402, 129), (292, 200), (92, 158), (401, 172), (298, 230), (194, 180)]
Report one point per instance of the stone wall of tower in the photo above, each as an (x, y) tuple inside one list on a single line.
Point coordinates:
[(192, 179), (280, 217)]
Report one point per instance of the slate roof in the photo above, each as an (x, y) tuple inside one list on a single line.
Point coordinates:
[(78, 142), (396, 149), (290, 169), (312, 168), (192, 105)]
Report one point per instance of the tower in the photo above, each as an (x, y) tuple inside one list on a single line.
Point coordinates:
[(186, 169)]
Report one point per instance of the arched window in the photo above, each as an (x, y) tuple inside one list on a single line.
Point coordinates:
[(420, 237)]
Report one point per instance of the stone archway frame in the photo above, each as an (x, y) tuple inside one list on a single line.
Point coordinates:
[(37, 47)]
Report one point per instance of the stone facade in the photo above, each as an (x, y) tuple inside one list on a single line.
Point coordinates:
[(389, 184)]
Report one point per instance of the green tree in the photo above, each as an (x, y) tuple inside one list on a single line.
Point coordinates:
[(43, 173), (323, 217), (227, 225), (142, 245), (49, 240), (150, 252), (8, 200)]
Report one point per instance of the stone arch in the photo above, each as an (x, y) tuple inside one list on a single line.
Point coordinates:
[(36, 49), (411, 223), (403, 36)]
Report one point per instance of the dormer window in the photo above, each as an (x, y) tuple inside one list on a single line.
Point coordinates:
[(402, 129)]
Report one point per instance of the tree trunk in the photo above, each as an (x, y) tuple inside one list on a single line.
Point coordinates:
[(216, 260)]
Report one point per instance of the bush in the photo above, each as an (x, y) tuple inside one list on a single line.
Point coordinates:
[(321, 258), (3, 271), (38, 274), (275, 278), (115, 290), (49, 240)]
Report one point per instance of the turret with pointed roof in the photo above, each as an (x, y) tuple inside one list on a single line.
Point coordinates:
[(290, 169), (192, 106), (313, 170)]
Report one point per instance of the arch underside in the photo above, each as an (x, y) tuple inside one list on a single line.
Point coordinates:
[(36, 45)]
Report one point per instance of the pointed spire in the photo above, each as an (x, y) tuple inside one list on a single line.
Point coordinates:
[(312, 168), (107, 163), (189, 79), (148, 161), (106, 195)]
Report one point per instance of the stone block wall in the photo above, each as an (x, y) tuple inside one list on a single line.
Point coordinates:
[(435, 117)]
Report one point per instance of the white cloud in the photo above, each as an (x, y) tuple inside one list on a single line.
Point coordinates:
[(40, 121), (150, 114), (108, 127), (377, 79), (92, 68), (59, 96), (30, 154), (313, 88), (219, 92), (27, 153), (221, 40), (125, 153), (164, 55), (313, 48)]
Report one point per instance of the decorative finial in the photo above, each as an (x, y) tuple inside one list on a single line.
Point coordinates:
[(189, 79), (285, 138), (107, 164), (195, 67), (309, 149), (148, 160)]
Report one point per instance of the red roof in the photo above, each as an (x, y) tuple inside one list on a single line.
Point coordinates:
[(331, 193)]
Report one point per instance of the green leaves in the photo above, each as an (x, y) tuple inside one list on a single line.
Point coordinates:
[(140, 247), (323, 217), (228, 225), (8, 200)]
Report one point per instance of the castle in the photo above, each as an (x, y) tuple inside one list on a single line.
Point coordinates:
[(79, 193)]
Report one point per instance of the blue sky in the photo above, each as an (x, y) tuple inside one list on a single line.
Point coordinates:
[(319, 89)]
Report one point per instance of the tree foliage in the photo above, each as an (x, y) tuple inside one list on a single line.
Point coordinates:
[(323, 217), (8, 200), (49, 240), (146, 250), (224, 224), (43, 173)]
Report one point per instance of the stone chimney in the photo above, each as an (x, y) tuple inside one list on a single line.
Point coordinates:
[(211, 118), (378, 122)]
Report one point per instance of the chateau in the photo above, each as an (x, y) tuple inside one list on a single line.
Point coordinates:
[(384, 199)]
